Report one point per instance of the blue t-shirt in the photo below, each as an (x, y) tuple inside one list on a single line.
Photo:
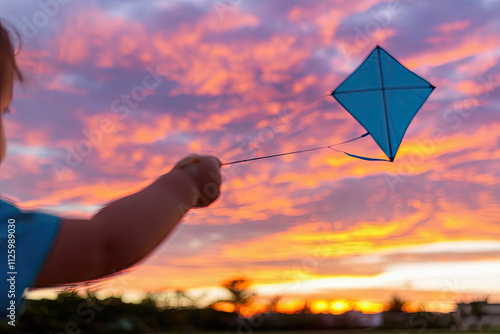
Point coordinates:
[(25, 241)]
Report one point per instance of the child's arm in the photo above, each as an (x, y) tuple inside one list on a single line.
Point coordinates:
[(128, 229)]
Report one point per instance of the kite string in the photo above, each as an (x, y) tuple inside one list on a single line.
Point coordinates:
[(313, 101), (294, 111), (296, 152)]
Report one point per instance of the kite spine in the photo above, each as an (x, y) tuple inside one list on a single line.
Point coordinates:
[(385, 104)]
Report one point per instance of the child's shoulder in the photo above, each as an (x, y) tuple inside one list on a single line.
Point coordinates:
[(10, 212), (7, 207)]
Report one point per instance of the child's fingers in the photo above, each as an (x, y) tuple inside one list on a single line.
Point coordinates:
[(211, 162), (219, 164), (205, 161), (188, 161), (205, 171)]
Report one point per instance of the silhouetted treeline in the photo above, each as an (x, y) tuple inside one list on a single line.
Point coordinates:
[(72, 313)]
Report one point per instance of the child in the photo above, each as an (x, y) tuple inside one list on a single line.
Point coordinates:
[(40, 250)]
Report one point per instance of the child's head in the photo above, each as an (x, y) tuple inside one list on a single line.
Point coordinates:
[(8, 71)]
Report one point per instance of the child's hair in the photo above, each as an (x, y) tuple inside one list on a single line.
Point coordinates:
[(7, 56)]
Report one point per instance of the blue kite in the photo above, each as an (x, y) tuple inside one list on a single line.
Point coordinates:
[(383, 96)]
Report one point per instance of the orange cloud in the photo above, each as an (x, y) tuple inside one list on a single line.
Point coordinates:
[(452, 26), (443, 54)]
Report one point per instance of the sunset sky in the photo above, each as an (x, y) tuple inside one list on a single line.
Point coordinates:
[(118, 91)]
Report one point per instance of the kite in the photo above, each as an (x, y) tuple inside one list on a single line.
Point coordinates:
[(384, 97)]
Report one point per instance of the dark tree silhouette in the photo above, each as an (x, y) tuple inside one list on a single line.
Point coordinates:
[(396, 304), (183, 301), (478, 309), (306, 309), (273, 304), (240, 293)]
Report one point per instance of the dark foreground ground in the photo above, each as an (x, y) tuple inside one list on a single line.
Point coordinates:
[(375, 331)]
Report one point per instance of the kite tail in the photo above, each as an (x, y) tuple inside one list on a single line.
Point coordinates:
[(356, 156), (360, 157)]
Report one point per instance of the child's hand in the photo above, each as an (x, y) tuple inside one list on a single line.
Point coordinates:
[(205, 172)]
